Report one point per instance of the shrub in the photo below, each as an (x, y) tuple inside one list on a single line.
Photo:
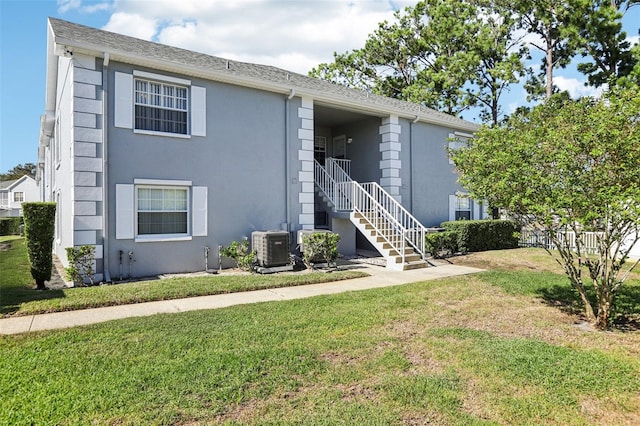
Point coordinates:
[(81, 264), (442, 244), (240, 253), (321, 246), (482, 235), (39, 225), (10, 225)]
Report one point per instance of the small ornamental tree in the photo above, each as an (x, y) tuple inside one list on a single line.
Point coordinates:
[(567, 168), (39, 226)]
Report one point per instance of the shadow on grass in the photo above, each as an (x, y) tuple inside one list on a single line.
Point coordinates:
[(625, 313), (13, 297)]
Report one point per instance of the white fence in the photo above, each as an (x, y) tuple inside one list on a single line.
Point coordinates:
[(537, 238)]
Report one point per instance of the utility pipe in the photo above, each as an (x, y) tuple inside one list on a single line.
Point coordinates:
[(105, 170)]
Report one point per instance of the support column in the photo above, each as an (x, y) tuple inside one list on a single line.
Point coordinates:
[(390, 163), (305, 156)]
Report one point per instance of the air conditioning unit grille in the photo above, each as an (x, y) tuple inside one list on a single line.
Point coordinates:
[(271, 247)]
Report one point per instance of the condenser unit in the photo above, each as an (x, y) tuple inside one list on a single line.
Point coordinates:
[(271, 247)]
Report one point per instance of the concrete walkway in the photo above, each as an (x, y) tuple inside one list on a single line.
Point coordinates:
[(380, 277)]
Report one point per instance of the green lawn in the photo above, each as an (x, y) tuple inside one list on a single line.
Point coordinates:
[(17, 296), (477, 349)]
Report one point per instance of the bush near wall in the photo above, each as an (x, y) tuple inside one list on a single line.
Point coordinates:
[(482, 235), (39, 226), (10, 225), (442, 244)]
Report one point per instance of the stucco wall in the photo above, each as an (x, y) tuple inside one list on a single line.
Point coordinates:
[(241, 161)]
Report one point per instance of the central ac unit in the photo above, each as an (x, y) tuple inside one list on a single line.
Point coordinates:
[(271, 247)]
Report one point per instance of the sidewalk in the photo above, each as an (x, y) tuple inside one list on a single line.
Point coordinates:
[(380, 277)]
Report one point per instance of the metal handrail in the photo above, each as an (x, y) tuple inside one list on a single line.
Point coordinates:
[(387, 216)]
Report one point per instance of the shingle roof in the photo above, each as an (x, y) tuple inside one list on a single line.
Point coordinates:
[(200, 64), (5, 184)]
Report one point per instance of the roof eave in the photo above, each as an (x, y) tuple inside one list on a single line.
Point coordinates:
[(283, 88)]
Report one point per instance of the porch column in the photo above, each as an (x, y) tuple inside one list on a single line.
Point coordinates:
[(305, 156), (390, 163)]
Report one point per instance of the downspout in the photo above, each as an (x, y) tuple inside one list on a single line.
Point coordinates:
[(411, 163), (105, 170), (287, 143)]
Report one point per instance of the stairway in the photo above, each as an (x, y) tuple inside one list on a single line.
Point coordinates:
[(388, 226)]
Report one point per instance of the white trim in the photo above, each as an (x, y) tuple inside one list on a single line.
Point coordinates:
[(463, 135), (162, 182), (171, 135), (161, 77), (161, 238)]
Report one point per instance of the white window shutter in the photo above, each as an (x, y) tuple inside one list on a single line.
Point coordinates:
[(199, 211), (123, 101), (125, 214), (475, 207), (198, 111), (452, 207)]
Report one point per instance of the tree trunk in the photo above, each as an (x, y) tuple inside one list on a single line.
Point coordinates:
[(40, 285)]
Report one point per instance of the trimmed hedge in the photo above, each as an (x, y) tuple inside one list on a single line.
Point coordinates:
[(482, 235), (10, 225), (39, 228), (442, 244)]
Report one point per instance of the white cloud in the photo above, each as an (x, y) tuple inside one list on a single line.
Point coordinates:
[(576, 87), (633, 40), (92, 6), (295, 35)]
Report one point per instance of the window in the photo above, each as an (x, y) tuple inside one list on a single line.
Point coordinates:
[(456, 141), (18, 197), (153, 210), (463, 208), (162, 210), (160, 107), (4, 199)]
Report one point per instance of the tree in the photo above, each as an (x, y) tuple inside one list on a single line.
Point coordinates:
[(448, 55), (18, 171), (568, 167), (551, 21), (603, 42)]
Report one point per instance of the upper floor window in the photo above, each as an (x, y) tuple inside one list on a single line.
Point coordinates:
[(161, 107), (18, 197)]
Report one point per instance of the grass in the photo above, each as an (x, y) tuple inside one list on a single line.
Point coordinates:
[(17, 296), (466, 350)]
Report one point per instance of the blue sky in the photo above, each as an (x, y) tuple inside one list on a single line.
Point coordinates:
[(291, 34)]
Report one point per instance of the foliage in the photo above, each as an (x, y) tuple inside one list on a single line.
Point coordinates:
[(39, 226), (320, 247), (603, 42), (568, 166), (448, 55), (239, 251), (442, 244), (18, 171), (10, 225), (481, 235), (80, 267)]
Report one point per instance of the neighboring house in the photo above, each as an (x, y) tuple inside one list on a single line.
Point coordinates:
[(15, 192), (155, 153)]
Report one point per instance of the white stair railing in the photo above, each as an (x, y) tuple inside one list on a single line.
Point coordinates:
[(412, 230), (390, 220)]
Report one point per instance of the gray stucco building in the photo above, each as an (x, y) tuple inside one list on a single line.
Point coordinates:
[(161, 152)]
